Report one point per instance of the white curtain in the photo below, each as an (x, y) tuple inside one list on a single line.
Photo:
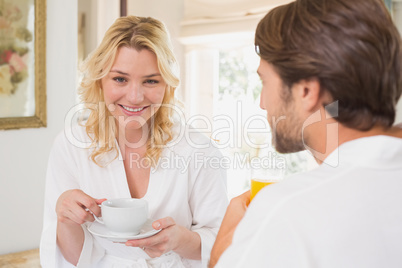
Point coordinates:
[(203, 17), (221, 9)]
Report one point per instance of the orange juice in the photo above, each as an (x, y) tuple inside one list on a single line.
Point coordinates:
[(257, 185)]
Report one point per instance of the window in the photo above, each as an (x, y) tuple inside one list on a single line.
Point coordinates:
[(222, 85)]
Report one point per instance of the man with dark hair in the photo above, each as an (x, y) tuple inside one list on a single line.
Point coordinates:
[(332, 69)]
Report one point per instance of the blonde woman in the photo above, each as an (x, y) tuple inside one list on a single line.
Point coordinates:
[(136, 150)]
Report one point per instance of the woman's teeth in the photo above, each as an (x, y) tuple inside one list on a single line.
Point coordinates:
[(133, 110)]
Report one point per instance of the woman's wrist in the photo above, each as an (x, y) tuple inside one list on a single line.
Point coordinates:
[(70, 240), (189, 244)]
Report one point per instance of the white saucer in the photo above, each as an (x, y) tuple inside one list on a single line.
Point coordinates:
[(100, 230)]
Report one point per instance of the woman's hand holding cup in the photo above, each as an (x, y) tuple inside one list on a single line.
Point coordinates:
[(75, 206)]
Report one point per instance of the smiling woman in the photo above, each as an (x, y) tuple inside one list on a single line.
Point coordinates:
[(113, 61), (135, 142)]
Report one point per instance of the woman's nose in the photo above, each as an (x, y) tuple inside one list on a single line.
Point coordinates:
[(135, 94)]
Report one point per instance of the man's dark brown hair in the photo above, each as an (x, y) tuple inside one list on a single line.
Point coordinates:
[(351, 46)]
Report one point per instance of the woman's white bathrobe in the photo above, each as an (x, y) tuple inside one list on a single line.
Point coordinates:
[(188, 184)]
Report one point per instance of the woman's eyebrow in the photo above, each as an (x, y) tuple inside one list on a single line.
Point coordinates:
[(120, 72), (145, 76), (151, 75)]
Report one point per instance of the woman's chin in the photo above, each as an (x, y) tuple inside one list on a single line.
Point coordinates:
[(135, 126)]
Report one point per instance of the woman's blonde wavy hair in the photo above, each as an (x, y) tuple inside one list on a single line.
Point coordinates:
[(138, 33)]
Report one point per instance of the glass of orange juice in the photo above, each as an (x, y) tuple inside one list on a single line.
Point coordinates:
[(263, 177)]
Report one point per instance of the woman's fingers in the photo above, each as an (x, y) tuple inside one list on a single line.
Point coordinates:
[(163, 223), (160, 243), (93, 206), (77, 206), (80, 215), (99, 201), (146, 242), (153, 247)]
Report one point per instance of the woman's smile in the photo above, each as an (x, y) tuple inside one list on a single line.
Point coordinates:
[(133, 110)]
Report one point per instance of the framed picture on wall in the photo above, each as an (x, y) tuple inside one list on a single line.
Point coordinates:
[(22, 64)]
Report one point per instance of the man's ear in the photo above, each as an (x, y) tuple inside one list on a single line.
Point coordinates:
[(308, 93)]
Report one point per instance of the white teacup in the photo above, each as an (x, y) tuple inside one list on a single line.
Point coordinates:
[(124, 216)]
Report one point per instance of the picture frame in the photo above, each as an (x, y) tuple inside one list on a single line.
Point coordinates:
[(22, 64)]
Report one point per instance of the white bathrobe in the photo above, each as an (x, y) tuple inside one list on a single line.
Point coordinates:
[(188, 184)]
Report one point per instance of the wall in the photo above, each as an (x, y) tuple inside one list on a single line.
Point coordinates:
[(89, 9), (99, 16), (24, 153)]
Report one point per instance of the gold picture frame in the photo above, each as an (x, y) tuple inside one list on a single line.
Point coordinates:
[(23, 63)]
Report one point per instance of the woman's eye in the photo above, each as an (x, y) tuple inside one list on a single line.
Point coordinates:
[(151, 81), (119, 79)]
